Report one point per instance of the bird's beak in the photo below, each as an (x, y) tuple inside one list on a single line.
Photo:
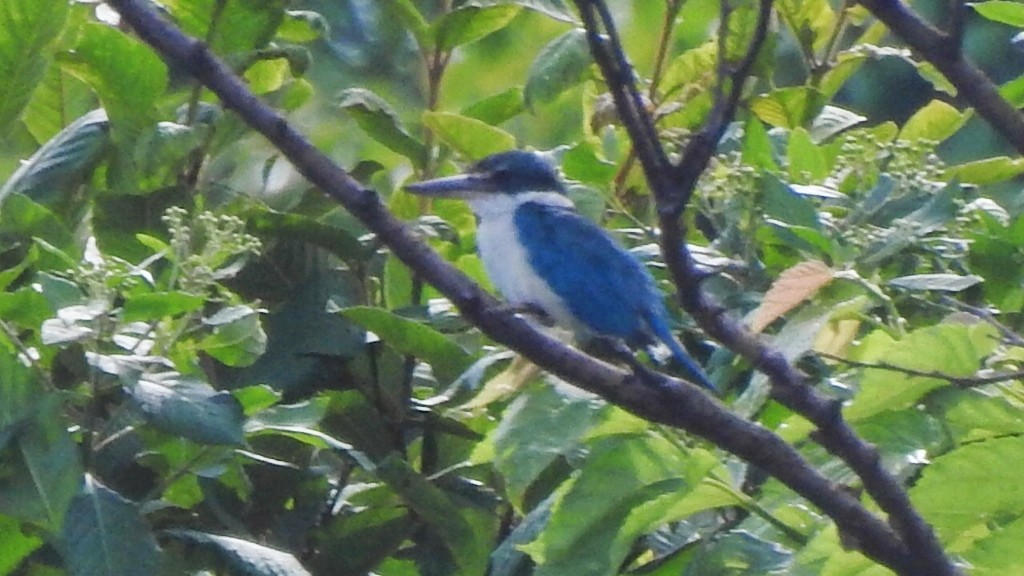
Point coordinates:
[(461, 186)]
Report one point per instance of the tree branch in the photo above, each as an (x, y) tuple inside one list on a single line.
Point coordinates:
[(788, 385), (943, 51), (652, 396)]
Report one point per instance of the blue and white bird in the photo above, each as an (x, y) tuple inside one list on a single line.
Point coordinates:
[(540, 253)]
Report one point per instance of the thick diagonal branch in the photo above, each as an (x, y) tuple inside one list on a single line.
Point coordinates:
[(670, 185), (652, 396)]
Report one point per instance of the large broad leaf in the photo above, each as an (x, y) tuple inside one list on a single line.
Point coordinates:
[(470, 23), (471, 137), (105, 535), (125, 73), (497, 108), (622, 491), (950, 349), (379, 121), (238, 338), (189, 408), (951, 496), (560, 65), (440, 512), (536, 429), (936, 122), (244, 557), (27, 28), (53, 172), (41, 469), (303, 337), (411, 337), (241, 24), (1004, 11)]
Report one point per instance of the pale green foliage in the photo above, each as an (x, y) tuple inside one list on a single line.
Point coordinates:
[(192, 339)]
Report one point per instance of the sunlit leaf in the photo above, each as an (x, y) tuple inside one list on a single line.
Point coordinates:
[(27, 28), (1005, 11), (470, 23), (954, 513), (936, 122), (469, 136)]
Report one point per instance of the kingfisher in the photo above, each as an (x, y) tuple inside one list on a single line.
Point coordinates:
[(542, 255)]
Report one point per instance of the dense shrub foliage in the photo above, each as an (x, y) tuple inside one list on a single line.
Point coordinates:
[(207, 364)]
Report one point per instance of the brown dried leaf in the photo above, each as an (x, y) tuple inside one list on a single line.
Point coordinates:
[(793, 286)]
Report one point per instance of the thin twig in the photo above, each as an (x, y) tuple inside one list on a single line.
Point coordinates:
[(657, 398), (959, 381), (672, 191)]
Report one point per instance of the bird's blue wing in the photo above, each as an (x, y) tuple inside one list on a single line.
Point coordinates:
[(604, 287)]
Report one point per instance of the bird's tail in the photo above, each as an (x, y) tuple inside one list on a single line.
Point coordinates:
[(691, 370)]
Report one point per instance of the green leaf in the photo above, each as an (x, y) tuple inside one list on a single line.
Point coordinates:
[(53, 172), (997, 553), (303, 26), (986, 170), (788, 107), (40, 461), (244, 557), (189, 408), (562, 64), (470, 23), (15, 545), (413, 20), (948, 349), (498, 108), (782, 203), (617, 496), (807, 161), (757, 146), (160, 305), (238, 338), (959, 514), (304, 336), (935, 122), (242, 25), (542, 425), (126, 74), (59, 99), (105, 534), (942, 282), (471, 137), (743, 549), (380, 122), (411, 337), (439, 511), (555, 9), (1004, 11), (27, 30), (338, 241)]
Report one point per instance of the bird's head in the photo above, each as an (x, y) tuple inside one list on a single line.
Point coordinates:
[(510, 173)]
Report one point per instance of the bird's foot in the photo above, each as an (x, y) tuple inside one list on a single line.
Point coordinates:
[(533, 311), (616, 349)]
